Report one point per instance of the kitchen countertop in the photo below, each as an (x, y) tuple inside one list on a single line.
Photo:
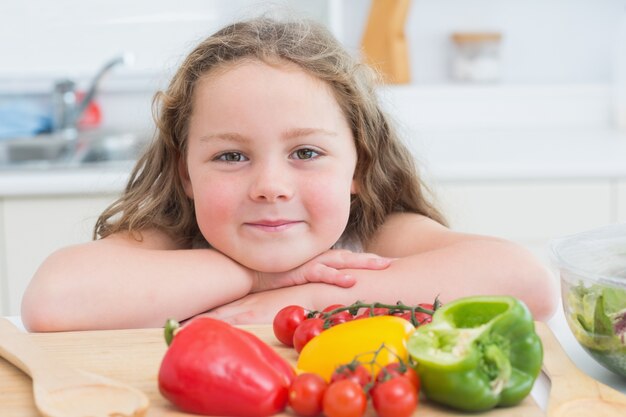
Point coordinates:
[(540, 391), (98, 179), (443, 155), (132, 355)]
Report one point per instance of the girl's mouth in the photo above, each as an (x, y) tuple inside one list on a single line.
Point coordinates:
[(273, 225)]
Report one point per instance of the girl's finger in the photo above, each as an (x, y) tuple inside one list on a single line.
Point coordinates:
[(324, 274), (343, 260)]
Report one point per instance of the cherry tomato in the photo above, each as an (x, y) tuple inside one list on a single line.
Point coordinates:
[(395, 369), (420, 318), (394, 397), (344, 398), (306, 331), (423, 318), (286, 321), (355, 372), (306, 394), (338, 318)]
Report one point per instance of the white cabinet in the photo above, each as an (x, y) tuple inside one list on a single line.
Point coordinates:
[(32, 228), (528, 212)]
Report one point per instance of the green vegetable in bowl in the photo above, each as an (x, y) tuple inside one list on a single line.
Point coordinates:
[(597, 316), (592, 266)]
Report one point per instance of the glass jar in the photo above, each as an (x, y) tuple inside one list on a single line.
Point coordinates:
[(476, 56)]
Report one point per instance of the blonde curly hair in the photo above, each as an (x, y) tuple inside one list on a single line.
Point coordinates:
[(386, 175)]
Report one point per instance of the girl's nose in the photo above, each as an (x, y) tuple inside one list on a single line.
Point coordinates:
[(271, 184)]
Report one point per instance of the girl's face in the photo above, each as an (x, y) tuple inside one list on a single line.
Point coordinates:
[(270, 164)]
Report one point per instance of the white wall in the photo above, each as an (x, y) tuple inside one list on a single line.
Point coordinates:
[(73, 37), (545, 41), (42, 41)]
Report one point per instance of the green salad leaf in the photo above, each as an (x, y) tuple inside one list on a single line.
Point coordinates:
[(600, 313)]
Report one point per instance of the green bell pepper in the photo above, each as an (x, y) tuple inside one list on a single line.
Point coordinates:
[(478, 353)]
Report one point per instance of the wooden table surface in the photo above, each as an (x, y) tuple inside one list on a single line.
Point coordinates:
[(134, 356)]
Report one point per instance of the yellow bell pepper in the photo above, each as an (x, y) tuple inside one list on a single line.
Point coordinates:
[(340, 344)]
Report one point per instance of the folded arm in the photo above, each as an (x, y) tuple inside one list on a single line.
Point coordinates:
[(119, 282), (432, 261)]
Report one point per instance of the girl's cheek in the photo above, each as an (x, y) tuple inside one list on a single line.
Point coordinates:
[(327, 201), (215, 203)]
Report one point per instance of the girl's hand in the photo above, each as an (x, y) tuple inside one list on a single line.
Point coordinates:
[(325, 268)]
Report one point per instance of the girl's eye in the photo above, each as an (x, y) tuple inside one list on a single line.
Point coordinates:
[(231, 157), (305, 153)]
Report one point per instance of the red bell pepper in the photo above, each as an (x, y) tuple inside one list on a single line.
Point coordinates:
[(213, 368)]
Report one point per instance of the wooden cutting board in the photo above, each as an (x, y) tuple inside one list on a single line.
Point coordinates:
[(134, 356)]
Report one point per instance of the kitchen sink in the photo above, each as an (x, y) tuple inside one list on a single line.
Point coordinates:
[(57, 151)]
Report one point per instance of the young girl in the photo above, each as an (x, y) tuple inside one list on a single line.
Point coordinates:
[(274, 179)]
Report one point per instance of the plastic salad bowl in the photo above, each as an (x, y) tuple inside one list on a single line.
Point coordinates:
[(592, 267)]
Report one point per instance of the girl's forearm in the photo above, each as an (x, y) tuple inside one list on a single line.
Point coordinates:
[(487, 267), (100, 286)]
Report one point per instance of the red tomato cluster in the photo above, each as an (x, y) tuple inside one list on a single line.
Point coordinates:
[(294, 325), (394, 393)]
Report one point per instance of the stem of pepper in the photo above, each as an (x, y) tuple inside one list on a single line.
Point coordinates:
[(171, 326)]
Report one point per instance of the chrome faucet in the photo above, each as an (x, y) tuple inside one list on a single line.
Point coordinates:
[(67, 109)]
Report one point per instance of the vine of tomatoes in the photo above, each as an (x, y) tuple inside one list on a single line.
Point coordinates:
[(294, 325)]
